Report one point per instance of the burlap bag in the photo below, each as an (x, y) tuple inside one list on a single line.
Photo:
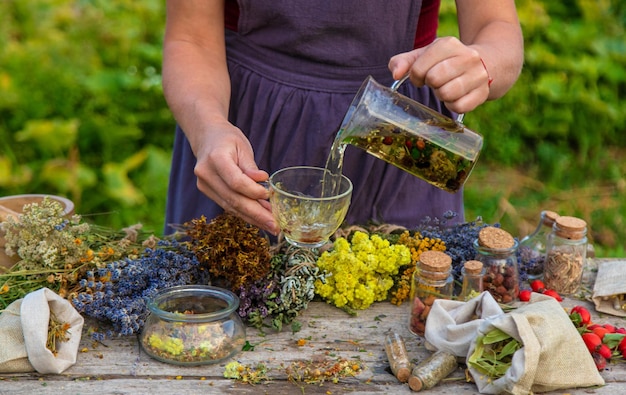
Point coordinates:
[(24, 334), (610, 288), (452, 325), (553, 355)]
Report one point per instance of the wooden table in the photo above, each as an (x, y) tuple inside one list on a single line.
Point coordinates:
[(121, 367)]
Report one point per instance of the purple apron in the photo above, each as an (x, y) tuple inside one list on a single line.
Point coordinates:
[(295, 66)]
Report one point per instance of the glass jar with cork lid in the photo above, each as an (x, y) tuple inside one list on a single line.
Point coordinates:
[(566, 255), (532, 248), (432, 280), (497, 250), (472, 273)]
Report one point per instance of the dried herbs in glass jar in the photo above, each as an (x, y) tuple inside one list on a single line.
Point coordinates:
[(532, 248), (432, 280), (566, 255), (497, 250)]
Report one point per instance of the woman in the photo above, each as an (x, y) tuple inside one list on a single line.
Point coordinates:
[(260, 85)]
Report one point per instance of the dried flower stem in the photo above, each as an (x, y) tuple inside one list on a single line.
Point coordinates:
[(58, 332)]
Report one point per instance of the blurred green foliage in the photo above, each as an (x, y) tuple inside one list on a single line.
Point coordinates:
[(82, 114)]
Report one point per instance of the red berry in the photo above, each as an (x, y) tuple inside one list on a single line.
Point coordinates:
[(538, 286), (524, 295), (554, 294), (605, 351), (583, 314), (622, 345), (621, 331), (599, 360), (592, 341), (600, 331), (593, 326), (609, 328)]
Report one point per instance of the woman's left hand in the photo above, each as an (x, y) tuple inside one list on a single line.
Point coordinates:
[(452, 69)]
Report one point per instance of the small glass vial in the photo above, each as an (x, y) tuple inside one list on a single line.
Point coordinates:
[(398, 357), (432, 280), (566, 255), (432, 370), (472, 273), (532, 248), (497, 250)]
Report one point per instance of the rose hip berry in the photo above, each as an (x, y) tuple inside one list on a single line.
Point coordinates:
[(537, 286), (524, 295), (554, 294), (580, 315), (592, 341)]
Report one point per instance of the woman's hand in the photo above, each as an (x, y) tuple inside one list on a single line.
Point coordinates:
[(197, 88), (482, 65), (454, 71), (227, 174)]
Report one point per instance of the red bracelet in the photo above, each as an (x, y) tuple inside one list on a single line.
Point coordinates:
[(489, 79)]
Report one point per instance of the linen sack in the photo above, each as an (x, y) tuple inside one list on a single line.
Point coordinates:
[(553, 355), (610, 287), (452, 325), (24, 334)]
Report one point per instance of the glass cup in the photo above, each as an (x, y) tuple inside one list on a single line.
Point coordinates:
[(309, 203)]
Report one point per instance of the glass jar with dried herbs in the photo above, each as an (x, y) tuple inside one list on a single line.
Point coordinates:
[(566, 255), (432, 280), (532, 248), (472, 273), (497, 250)]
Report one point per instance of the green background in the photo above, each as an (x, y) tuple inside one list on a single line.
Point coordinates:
[(82, 114)]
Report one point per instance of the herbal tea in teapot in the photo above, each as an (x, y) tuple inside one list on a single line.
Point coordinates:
[(408, 135)]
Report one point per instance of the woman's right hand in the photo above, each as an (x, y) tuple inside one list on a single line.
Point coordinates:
[(227, 173), (196, 85)]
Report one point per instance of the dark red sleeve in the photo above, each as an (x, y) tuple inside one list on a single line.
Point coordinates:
[(427, 23), (231, 15)]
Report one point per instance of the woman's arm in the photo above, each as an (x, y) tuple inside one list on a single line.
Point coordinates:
[(482, 65), (196, 84)]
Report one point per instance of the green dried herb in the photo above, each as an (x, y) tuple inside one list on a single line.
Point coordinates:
[(494, 353)]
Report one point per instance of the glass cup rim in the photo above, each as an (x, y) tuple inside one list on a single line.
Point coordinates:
[(344, 179)]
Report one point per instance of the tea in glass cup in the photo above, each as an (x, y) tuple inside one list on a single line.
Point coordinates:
[(309, 203)]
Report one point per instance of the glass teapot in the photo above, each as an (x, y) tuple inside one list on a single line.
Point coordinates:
[(409, 135)]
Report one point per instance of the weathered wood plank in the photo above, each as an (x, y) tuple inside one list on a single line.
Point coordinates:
[(120, 367)]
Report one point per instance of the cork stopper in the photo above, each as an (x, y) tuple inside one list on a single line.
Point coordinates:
[(473, 267), (495, 238), (415, 383), (570, 227), (435, 261), (549, 217), (403, 374), (435, 265)]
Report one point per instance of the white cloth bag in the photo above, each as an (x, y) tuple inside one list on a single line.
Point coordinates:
[(24, 331)]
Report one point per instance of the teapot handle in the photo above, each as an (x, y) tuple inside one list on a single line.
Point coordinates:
[(396, 84)]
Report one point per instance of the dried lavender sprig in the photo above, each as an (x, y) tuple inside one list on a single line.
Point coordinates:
[(117, 293)]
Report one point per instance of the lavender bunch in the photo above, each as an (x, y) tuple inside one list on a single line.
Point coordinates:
[(458, 238), (118, 292)]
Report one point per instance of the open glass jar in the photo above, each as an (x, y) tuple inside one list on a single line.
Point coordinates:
[(193, 325)]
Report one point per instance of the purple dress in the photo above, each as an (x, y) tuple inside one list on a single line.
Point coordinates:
[(295, 66)]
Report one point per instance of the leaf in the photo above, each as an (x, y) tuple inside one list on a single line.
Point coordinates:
[(495, 336), (509, 348), (247, 347)]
